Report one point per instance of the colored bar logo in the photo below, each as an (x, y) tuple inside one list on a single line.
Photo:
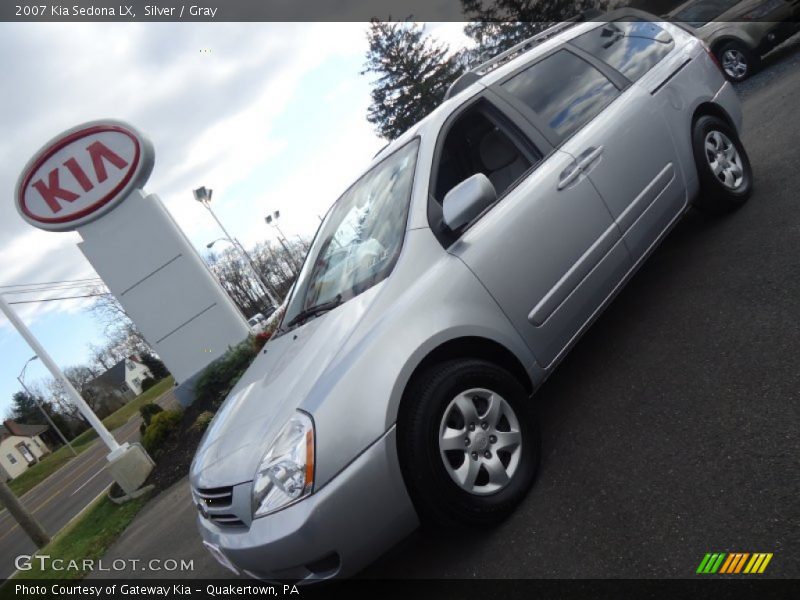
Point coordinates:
[(734, 563)]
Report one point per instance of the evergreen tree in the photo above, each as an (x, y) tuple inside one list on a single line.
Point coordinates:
[(498, 25), (155, 364), (413, 72), (24, 409)]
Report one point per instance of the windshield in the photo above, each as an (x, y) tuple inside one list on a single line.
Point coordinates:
[(359, 241), (701, 12)]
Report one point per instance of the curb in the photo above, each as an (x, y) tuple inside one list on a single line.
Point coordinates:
[(85, 508), (119, 500)]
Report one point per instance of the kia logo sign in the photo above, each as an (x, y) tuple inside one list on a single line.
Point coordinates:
[(83, 174)]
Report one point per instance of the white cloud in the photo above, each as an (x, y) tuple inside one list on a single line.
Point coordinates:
[(211, 116)]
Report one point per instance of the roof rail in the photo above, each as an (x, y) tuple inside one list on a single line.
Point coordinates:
[(474, 74)]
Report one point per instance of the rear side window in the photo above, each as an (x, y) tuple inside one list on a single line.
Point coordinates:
[(564, 90), (632, 48)]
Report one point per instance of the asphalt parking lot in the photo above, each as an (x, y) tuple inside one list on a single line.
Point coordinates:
[(673, 428)]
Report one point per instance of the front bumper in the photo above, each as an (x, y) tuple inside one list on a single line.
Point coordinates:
[(335, 532)]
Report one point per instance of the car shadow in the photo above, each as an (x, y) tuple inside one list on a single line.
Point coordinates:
[(563, 398)]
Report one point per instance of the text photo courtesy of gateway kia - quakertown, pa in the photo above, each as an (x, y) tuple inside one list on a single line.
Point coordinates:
[(400, 298)]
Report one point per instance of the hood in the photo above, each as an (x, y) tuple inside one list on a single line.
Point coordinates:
[(269, 392)]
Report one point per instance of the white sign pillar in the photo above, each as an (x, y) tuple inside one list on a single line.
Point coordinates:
[(73, 394), (91, 179)]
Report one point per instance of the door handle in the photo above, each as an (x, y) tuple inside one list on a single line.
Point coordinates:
[(589, 156), (568, 175)]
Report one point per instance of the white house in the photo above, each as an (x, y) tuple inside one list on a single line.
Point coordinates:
[(20, 447), (117, 386)]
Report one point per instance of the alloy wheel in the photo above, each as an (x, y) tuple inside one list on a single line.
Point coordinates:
[(724, 159), (734, 63)]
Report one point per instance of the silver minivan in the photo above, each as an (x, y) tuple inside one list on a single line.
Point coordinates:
[(446, 284)]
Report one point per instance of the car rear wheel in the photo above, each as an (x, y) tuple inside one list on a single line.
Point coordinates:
[(726, 177), (737, 60), (469, 443)]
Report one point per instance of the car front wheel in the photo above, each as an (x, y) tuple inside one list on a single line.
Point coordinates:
[(469, 443)]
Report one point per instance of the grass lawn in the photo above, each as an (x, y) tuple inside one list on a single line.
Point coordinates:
[(88, 537), (40, 471), (119, 418)]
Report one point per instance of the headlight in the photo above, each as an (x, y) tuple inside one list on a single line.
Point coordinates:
[(286, 473)]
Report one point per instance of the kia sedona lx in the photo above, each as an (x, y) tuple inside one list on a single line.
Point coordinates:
[(446, 284)]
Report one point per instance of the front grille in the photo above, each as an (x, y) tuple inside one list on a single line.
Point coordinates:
[(216, 497), (226, 507), (226, 520)]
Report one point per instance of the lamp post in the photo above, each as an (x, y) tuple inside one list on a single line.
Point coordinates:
[(21, 379), (273, 221), (203, 196)]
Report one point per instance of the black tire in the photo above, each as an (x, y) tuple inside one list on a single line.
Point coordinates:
[(743, 55), (715, 196), (437, 497)]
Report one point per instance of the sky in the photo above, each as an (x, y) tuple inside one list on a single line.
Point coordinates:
[(270, 116)]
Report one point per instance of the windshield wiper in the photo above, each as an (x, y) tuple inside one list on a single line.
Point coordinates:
[(313, 311)]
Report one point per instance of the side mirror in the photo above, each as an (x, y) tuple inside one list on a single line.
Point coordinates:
[(467, 200)]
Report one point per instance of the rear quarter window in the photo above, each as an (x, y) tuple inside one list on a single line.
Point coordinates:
[(632, 48)]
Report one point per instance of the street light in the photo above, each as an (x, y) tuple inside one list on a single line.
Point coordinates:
[(21, 379), (273, 221), (203, 196), (210, 245)]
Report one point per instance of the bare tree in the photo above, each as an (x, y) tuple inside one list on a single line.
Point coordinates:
[(108, 311), (277, 265), (280, 263), (238, 280)]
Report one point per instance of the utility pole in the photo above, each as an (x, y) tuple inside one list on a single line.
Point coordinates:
[(25, 519)]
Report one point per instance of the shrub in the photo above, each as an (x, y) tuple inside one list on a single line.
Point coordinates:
[(260, 339), (147, 383), (149, 410), (159, 428), (202, 420), (220, 376)]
